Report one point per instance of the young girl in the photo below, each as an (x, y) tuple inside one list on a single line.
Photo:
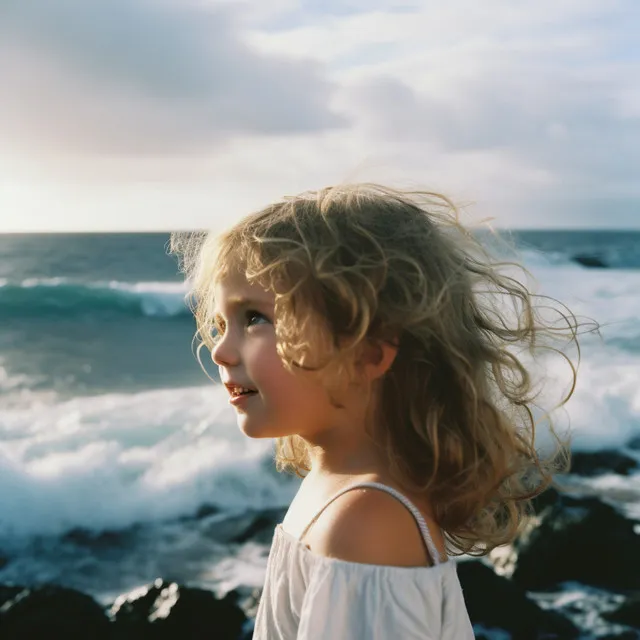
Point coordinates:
[(371, 335)]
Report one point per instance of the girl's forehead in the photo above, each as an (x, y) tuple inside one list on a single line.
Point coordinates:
[(234, 286)]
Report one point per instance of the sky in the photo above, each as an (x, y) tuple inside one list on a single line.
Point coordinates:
[(183, 114)]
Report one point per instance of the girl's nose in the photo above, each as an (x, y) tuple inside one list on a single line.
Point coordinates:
[(225, 353)]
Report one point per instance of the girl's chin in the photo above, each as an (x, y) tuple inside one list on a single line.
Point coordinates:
[(258, 431), (257, 435)]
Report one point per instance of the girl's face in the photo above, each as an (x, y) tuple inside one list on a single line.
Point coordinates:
[(282, 403)]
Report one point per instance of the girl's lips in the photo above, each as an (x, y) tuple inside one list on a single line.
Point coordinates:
[(239, 401)]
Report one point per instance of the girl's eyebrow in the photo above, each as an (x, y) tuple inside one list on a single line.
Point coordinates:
[(240, 301)]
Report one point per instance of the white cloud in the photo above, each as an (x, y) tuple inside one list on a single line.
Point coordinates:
[(141, 76), (529, 103), (529, 109), (434, 27)]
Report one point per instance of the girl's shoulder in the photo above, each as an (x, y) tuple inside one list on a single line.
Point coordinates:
[(367, 525)]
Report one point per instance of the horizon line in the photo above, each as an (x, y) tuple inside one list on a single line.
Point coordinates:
[(35, 232)]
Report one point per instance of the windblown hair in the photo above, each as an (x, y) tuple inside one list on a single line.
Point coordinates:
[(359, 263)]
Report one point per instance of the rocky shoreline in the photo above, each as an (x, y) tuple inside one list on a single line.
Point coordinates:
[(577, 544)]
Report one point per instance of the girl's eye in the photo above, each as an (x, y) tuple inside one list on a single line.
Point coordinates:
[(251, 317), (255, 316)]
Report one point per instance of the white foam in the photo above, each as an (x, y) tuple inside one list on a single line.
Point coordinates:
[(604, 411), (534, 258), (157, 298), (30, 283), (12, 381), (109, 461), (610, 297)]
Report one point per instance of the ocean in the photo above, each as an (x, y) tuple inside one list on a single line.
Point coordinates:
[(113, 440)]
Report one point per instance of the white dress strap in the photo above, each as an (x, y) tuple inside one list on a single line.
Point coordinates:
[(424, 529)]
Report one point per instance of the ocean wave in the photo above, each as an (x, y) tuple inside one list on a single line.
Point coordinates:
[(63, 297), (109, 461), (605, 257), (12, 382), (114, 460), (587, 259)]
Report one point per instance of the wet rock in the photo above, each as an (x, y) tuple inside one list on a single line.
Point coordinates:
[(627, 613), (598, 462), (98, 540), (165, 611), (206, 510), (262, 527), (51, 611), (582, 540), (634, 443), (590, 260), (546, 499), (496, 602), (8, 593)]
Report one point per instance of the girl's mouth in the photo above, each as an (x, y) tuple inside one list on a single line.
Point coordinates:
[(237, 389), (241, 398)]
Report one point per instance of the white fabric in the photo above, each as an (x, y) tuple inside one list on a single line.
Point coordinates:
[(311, 597)]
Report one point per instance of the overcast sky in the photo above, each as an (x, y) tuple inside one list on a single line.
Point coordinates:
[(166, 114)]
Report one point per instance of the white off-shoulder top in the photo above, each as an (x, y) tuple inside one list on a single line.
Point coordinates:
[(307, 596)]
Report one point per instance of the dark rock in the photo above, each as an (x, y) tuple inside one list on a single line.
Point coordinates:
[(262, 528), (590, 260), (96, 539), (206, 510), (165, 611), (8, 593), (546, 499), (202, 512), (627, 613), (247, 632), (634, 443), (495, 602), (51, 611), (579, 539), (586, 610), (598, 462)]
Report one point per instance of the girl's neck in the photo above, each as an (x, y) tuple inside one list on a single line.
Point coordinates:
[(363, 459), (345, 448)]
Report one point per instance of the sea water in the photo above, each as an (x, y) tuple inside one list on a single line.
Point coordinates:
[(109, 427)]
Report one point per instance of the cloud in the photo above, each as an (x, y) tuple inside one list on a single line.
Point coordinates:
[(536, 103), (573, 124), (529, 109), (146, 76)]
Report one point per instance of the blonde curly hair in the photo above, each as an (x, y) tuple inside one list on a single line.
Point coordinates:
[(356, 263)]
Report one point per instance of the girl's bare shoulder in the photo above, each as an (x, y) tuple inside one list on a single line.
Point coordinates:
[(368, 526)]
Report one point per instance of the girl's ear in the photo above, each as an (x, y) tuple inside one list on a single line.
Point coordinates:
[(377, 357)]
